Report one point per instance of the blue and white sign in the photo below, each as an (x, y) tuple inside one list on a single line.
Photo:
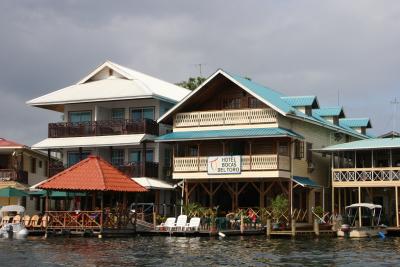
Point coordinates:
[(224, 165)]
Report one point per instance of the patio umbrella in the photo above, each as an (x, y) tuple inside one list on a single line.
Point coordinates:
[(11, 192)]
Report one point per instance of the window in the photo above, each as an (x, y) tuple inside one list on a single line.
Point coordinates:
[(309, 152), (298, 149), (284, 149), (136, 155), (33, 165), (192, 151), (117, 113), (254, 103), (139, 114), (73, 157), (117, 157), (231, 103), (40, 164), (149, 156), (80, 116)]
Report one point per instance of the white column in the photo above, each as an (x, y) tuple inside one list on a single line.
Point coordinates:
[(397, 206), (359, 208)]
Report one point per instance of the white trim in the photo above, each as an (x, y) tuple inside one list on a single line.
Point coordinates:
[(108, 64), (230, 137)]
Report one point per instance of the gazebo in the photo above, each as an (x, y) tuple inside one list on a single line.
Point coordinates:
[(95, 177)]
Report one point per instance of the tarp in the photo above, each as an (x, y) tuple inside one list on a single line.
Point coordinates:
[(305, 182)]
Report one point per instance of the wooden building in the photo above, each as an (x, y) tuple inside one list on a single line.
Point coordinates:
[(238, 144)]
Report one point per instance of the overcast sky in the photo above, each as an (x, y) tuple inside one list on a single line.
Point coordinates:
[(296, 47)]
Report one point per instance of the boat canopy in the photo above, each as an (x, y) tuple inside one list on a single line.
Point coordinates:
[(13, 208), (365, 205)]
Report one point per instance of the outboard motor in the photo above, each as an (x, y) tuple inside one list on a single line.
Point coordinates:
[(9, 230)]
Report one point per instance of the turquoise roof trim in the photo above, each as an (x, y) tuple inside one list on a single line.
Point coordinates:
[(267, 94), (231, 133), (355, 122), (305, 181), (373, 143), (300, 101), (328, 111)]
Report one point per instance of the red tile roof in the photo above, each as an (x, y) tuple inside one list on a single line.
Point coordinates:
[(92, 173), (4, 143)]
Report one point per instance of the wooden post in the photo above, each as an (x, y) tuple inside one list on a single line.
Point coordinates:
[(397, 206), (144, 159), (339, 201), (333, 199), (250, 152), (241, 224), (94, 201), (198, 157), (101, 215), (154, 219), (293, 227), (269, 227), (48, 162), (316, 227), (359, 208)]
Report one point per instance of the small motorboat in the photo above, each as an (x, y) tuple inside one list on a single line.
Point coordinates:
[(366, 224), (16, 230)]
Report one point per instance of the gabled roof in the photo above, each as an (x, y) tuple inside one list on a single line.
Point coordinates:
[(8, 144), (329, 111), (92, 174), (356, 122), (124, 83), (231, 134), (301, 101), (373, 143), (390, 134)]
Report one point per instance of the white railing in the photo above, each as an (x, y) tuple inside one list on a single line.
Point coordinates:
[(225, 117), (366, 174), (249, 163)]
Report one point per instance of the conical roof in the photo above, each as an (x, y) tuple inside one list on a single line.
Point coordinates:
[(92, 174)]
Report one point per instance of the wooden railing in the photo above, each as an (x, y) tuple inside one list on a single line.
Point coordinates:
[(105, 127), (225, 117), (385, 174), (12, 175), (249, 163)]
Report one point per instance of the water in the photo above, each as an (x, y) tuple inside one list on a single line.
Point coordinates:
[(182, 251)]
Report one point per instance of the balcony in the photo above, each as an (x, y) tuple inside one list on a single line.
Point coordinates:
[(12, 175), (105, 127), (366, 176), (225, 117), (249, 164)]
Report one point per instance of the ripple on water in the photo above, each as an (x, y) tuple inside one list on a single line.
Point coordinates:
[(181, 251)]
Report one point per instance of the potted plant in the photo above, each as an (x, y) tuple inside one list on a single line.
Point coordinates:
[(319, 212), (279, 206)]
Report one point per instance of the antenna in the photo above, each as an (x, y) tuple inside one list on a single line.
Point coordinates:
[(200, 65), (338, 97), (395, 103)]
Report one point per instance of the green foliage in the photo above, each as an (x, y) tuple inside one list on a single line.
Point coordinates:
[(319, 211), (279, 206), (192, 83)]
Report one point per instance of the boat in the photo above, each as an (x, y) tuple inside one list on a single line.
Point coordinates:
[(13, 230), (362, 220)]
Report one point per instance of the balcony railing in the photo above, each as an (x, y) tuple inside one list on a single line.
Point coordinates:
[(249, 163), (225, 117), (106, 127), (385, 174), (12, 175)]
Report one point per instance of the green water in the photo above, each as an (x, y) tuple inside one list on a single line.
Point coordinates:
[(182, 251)]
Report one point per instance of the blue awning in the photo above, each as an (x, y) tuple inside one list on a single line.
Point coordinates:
[(305, 182), (231, 133)]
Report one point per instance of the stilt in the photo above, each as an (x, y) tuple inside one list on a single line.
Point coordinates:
[(397, 206), (293, 227), (339, 201), (269, 227), (359, 208), (316, 227), (333, 199)]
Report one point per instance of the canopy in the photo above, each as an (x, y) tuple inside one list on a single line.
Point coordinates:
[(52, 194), (365, 205), (151, 183), (11, 192), (305, 182), (91, 174), (11, 208)]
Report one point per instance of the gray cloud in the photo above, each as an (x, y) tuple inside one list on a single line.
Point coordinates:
[(297, 47)]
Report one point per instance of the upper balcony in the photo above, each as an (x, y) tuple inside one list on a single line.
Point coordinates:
[(225, 117), (12, 175), (103, 127)]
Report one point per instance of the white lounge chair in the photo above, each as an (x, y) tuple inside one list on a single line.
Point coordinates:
[(168, 224), (194, 224), (181, 222)]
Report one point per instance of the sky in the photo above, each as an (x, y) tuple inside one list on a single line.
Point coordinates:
[(344, 52)]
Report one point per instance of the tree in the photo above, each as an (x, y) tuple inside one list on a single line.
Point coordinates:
[(192, 83)]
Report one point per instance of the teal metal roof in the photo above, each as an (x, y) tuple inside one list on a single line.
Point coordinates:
[(355, 122), (328, 111), (231, 133), (64, 194), (305, 181), (373, 143), (267, 94), (300, 101)]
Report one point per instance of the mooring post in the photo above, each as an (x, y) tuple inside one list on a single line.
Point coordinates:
[(269, 227), (154, 220), (241, 224), (293, 227), (316, 227)]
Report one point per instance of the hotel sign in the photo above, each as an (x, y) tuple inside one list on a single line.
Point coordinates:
[(224, 165)]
